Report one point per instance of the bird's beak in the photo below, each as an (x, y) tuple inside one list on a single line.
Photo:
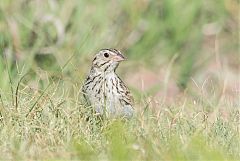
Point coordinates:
[(119, 57)]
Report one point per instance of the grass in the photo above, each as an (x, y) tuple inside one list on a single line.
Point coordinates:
[(46, 49), (49, 124)]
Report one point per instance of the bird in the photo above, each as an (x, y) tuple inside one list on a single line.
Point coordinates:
[(103, 89)]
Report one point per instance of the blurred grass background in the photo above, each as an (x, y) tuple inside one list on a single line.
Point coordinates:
[(183, 58)]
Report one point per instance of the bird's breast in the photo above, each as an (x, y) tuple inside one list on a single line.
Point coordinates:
[(106, 91)]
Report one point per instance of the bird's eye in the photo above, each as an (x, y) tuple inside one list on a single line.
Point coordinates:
[(106, 55)]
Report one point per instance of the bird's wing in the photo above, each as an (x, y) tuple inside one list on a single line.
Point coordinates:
[(84, 92), (128, 96)]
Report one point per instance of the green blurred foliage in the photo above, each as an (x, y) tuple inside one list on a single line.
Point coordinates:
[(84, 150), (120, 141), (145, 30)]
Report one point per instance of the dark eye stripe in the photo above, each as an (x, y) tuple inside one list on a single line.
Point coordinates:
[(104, 63)]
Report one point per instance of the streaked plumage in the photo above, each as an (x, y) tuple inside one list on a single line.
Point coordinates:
[(104, 90)]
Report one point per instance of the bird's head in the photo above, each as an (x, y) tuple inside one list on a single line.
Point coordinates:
[(107, 60)]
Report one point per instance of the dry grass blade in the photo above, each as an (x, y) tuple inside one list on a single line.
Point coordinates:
[(30, 110)]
